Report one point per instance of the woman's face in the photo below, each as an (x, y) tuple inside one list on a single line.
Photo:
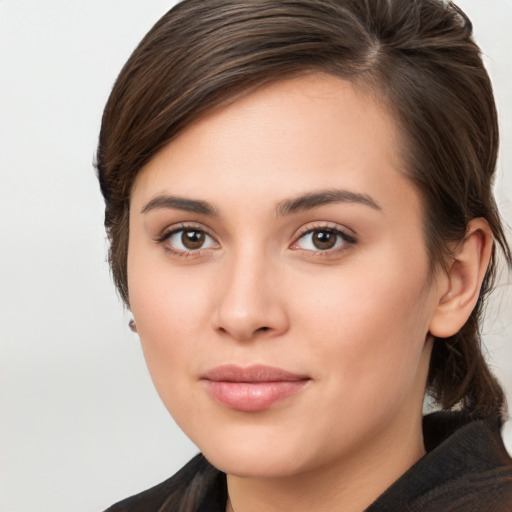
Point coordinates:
[(279, 280)]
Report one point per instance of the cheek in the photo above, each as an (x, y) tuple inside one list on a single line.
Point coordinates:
[(368, 329), (171, 310)]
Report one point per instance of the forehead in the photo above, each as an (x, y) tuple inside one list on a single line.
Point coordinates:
[(317, 131)]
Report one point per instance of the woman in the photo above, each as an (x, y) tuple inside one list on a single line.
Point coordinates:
[(299, 205)]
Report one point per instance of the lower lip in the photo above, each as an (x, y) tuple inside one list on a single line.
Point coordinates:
[(252, 396)]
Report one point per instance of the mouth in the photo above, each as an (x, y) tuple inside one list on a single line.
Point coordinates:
[(251, 389)]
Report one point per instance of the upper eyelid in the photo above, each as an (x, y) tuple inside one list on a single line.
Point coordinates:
[(184, 226), (318, 226)]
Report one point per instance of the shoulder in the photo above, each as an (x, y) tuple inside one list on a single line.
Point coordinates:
[(198, 486), (466, 469)]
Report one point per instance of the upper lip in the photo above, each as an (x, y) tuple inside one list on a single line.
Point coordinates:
[(253, 373)]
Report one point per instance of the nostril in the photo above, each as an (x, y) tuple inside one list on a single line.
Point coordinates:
[(263, 329)]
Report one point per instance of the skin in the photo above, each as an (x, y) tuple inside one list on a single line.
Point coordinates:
[(356, 319)]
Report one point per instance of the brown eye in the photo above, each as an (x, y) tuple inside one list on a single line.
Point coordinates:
[(192, 239), (323, 239), (187, 240)]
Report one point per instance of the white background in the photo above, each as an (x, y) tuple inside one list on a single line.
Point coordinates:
[(80, 424)]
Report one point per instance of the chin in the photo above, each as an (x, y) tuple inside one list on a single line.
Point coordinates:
[(255, 464), (258, 454)]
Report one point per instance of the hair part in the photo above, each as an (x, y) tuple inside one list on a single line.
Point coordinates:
[(417, 56)]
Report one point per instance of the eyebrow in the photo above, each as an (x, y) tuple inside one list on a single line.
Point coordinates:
[(181, 203), (287, 207), (324, 197)]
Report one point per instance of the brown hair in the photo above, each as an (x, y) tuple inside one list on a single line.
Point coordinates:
[(418, 56)]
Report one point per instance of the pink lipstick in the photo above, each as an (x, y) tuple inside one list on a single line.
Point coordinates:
[(253, 388)]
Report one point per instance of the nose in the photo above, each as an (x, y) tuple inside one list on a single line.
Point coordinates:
[(250, 304)]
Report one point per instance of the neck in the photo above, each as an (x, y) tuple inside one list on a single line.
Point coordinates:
[(351, 484)]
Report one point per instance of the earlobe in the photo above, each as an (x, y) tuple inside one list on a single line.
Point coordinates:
[(464, 280), (132, 325)]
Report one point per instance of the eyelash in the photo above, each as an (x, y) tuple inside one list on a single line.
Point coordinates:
[(347, 240), (166, 236)]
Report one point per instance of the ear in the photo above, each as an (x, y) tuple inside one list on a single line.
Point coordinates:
[(132, 325), (465, 274)]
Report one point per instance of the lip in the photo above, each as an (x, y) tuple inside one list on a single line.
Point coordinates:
[(253, 388)]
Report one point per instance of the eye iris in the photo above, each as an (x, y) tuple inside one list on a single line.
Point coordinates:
[(324, 239), (192, 239)]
